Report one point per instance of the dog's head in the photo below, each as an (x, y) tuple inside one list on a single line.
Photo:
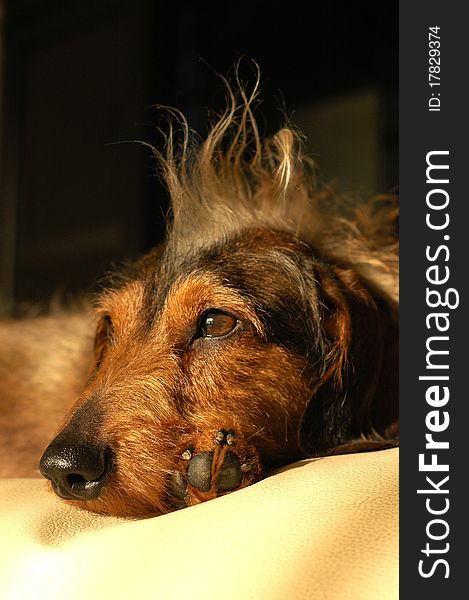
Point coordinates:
[(262, 312)]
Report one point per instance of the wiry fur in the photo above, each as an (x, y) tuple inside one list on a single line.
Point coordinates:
[(309, 369), (235, 180)]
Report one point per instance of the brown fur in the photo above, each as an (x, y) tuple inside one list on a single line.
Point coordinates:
[(309, 369)]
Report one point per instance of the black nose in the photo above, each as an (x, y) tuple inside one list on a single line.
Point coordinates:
[(77, 471)]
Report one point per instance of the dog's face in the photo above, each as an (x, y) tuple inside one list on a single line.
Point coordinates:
[(247, 341), (218, 352), (228, 340)]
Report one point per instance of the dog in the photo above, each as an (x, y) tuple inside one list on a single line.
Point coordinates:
[(262, 331)]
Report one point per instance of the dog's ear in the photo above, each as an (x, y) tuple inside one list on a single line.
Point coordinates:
[(337, 418)]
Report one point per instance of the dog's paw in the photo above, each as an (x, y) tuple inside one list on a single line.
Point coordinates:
[(222, 464)]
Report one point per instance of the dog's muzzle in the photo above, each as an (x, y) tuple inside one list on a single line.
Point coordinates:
[(77, 471)]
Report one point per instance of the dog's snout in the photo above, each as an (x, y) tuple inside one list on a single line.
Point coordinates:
[(77, 471)]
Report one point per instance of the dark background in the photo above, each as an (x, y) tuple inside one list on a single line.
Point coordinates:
[(78, 76)]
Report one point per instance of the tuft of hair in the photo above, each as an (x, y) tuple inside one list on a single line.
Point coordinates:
[(236, 180)]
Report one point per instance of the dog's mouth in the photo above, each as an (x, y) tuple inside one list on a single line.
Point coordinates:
[(76, 472)]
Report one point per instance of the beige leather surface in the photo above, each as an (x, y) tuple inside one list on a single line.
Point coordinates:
[(322, 529)]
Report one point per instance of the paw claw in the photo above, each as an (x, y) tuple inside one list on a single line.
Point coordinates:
[(224, 437), (220, 436), (227, 464)]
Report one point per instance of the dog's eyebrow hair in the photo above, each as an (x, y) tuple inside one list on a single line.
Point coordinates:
[(157, 276), (269, 270), (278, 285)]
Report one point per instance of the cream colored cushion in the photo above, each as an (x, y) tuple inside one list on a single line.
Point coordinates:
[(321, 529)]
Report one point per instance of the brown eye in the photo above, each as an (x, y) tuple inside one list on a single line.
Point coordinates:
[(102, 338), (217, 324)]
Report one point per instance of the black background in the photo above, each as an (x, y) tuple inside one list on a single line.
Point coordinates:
[(81, 75)]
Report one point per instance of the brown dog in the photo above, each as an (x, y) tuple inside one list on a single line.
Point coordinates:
[(261, 332)]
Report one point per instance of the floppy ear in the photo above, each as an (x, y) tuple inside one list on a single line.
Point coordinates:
[(338, 417)]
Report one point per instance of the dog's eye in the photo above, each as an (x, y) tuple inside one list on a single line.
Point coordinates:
[(102, 338), (217, 324)]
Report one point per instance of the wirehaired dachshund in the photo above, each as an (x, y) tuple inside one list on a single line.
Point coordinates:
[(262, 331)]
